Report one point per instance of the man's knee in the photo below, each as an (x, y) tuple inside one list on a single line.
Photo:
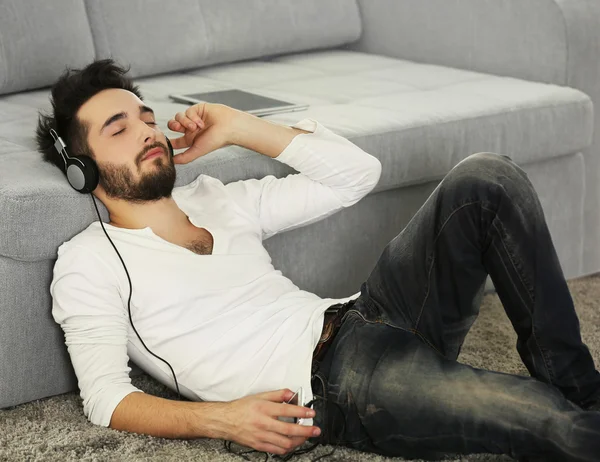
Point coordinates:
[(485, 171), (486, 161)]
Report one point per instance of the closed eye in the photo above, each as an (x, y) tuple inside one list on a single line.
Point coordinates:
[(121, 131)]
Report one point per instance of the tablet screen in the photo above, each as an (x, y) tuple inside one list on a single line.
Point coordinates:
[(239, 99)]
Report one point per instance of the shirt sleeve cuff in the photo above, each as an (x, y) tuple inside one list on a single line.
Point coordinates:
[(307, 124), (296, 144), (103, 411)]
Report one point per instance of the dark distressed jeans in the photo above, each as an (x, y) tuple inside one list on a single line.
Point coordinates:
[(392, 368)]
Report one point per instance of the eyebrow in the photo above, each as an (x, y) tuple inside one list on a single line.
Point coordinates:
[(123, 115)]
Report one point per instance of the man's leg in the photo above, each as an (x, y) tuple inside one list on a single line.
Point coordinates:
[(484, 218), (390, 393), (392, 366)]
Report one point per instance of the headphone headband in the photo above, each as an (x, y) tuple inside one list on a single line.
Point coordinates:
[(59, 145)]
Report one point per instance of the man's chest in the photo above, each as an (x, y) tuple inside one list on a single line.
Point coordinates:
[(200, 241), (176, 286), (194, 266)]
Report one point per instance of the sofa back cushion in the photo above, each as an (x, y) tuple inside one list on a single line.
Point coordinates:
[(39, 39), (155, 36)]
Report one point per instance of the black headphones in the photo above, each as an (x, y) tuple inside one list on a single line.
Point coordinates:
[(82, 172)]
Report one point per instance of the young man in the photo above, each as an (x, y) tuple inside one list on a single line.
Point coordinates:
[(238, 335)]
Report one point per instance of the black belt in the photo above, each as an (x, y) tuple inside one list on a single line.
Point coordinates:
[(331, 325)]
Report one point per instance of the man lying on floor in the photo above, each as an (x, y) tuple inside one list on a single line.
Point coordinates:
[(179, 282)]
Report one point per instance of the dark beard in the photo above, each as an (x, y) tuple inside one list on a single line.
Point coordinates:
[(118, 181)]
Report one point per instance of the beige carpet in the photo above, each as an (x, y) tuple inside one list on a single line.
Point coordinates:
[(54, 429)]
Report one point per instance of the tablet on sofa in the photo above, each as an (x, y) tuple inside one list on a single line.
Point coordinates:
[(242, 100)]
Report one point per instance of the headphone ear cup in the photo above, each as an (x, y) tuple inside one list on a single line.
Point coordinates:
[(170, 147), (83, 174)]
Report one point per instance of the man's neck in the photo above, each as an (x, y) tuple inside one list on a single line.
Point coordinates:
[(162, 216)]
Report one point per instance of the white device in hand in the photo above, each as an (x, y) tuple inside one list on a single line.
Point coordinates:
[(298, 400)]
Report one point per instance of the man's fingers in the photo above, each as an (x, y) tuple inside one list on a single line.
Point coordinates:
[(290, 410), (194, 113), (294, 430), (185, 121), (281, 441), (298, 440), (270, 448), (178, 143), (188, 155), (277, 396), (175, 126), (182, 158)]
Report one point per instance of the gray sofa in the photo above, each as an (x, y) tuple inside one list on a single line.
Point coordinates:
[(419, 84)]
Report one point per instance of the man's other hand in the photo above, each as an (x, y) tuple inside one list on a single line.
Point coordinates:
[(252, 422)]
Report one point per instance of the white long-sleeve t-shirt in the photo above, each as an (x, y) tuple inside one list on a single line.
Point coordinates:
[(228, 323)]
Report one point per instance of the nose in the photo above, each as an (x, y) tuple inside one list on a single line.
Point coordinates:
[(147, 133)]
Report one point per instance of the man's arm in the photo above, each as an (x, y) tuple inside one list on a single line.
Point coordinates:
[(87, 305), (250, 421), (260, 135), (334, 174), (164, 418)]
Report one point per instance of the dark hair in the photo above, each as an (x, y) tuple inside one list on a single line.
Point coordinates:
[(73, 88)]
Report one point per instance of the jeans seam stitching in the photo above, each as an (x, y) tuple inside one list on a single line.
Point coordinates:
[(543, 354), (377, 322), (431, 345), (433, 259), (510, 257), (410, 330)]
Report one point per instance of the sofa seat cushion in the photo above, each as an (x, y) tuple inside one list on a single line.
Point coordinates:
[(418, 120)]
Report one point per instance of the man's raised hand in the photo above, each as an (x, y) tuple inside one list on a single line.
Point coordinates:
[(206, 127)]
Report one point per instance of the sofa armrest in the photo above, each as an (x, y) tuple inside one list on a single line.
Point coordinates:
[(550, 41), (541, 40)]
